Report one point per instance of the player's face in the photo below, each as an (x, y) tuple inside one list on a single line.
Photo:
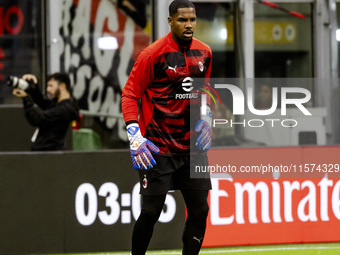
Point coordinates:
[(53, 89), (183, 24)]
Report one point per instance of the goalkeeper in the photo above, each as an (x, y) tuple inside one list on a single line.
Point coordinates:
[(161, 142)]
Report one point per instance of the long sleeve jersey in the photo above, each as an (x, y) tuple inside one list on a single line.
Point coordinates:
[(163, 78), (53, 120)]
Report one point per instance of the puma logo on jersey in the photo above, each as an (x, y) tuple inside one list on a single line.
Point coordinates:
[(173, 68), (198, 240)]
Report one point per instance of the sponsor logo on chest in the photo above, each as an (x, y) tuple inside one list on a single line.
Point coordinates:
[(187, 87)]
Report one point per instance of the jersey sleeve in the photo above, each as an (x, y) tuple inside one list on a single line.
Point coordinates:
[(134, 89)]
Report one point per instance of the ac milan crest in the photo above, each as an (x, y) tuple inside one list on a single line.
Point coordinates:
[(145, 182), (200, 66)]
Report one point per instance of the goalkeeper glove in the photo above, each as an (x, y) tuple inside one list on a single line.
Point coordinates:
[(140, 148), (203, 126)]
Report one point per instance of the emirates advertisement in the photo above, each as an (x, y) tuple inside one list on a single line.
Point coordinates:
[(290, 195)]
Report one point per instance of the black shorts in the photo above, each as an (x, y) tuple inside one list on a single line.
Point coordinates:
[(173, 173)]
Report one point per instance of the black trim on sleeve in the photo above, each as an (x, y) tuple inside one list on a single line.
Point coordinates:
[(130, 122)]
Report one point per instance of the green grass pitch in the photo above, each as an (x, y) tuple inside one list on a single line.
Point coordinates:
[(286, 249)]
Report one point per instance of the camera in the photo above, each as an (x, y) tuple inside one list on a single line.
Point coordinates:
[(17, 83)]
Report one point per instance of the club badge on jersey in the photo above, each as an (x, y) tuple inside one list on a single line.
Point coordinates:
[(140, 148)]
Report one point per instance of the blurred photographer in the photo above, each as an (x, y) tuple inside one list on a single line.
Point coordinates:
[(55, 113)]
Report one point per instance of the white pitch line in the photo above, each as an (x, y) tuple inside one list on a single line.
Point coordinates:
[(269, 249), (252, 250), (234, 250)]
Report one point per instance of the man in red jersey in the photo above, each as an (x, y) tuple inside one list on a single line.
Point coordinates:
[(162, 144)]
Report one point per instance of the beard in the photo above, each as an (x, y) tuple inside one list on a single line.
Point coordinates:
[(184, 41), (54, 97)]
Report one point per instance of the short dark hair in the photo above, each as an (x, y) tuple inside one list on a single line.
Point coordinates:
[(176, 4), (61, 78)]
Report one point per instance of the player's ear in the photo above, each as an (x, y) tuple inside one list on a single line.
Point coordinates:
[(170, 20)]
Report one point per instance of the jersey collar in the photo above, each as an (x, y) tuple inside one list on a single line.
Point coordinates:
[(176, 46)]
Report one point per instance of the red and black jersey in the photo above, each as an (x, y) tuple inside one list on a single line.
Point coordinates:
[(163, 77)]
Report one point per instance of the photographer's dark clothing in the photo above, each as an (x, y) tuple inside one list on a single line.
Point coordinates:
[(53, 119)]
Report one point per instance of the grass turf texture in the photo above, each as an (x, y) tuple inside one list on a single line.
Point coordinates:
[(286, 249)]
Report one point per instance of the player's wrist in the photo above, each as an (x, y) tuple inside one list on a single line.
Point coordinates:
[(134, 135), (207, 115)]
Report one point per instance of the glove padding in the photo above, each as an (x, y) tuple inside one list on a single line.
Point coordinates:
[(140, 148), (204, 139), (203, 126)]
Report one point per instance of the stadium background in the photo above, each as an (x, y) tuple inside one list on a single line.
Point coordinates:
[(86, 200)]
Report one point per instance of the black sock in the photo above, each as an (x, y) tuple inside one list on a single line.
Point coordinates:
[(194, 230), (151, 209)]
